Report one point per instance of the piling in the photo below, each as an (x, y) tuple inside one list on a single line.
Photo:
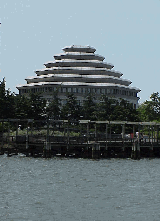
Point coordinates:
[(47, 144), (2, 149), (135, 153), (27, 142), (123, 137), (96, 151), (151, 153)]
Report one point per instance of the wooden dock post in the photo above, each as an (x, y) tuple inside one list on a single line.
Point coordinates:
[(106, 136), (2, 150), (47, 148), (135, 153), (157, 134), (8, 141), (16, 128), (133, 129), (105, 154), (110, 133), (138, 144), (87, 133), (95, 126), (68, 139), (132, 150), (138, 151), (123, 137), (96, 151), (27, 142), (151, 153)]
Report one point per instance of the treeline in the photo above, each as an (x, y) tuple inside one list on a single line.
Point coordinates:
[(35, 107)]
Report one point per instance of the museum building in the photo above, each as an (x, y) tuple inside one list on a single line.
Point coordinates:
[(80, 71)]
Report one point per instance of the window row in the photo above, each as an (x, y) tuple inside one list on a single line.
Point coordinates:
[(81, 90)]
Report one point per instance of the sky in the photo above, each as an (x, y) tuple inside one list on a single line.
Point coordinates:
[(126, 33)]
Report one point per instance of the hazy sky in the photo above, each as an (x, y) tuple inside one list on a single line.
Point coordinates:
[(125, 32)]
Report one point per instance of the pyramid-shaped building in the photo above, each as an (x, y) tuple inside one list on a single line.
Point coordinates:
[(80, 71)]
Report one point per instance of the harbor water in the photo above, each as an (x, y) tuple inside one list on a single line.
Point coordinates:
[(68, 189)]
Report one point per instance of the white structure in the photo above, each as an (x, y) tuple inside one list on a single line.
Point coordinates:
[(80, 71)]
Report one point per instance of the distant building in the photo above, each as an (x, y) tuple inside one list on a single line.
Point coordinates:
[(80, 71)]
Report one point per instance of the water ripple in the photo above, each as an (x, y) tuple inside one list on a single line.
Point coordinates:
[(79, 189)]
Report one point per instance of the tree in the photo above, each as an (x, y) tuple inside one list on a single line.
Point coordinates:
[(71, 110), (105, 108), (22, 107), (150, 110), (124, 111), (89, 108), (37, 106), (6, 102), (53, 109)]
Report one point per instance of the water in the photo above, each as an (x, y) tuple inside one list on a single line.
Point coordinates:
[(79, 189)]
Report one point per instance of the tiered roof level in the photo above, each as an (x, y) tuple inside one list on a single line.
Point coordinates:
[(80, 71)]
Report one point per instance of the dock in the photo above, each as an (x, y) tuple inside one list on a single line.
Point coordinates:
[(79, 139)]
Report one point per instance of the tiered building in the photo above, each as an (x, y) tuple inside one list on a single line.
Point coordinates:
[(80, 71)]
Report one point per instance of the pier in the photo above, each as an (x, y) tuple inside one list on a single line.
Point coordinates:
[(80, 139)]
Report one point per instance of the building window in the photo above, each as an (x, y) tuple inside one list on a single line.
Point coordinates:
[(103, 91), (69, 89), (60, 89), (98, 91), (74, 90), (94, 90), (64, 90), (84, 90), (108, 91), (89, 90), (79, 90)]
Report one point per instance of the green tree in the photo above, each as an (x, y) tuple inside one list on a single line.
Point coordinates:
[(89, 108), (105, 108), (22, 107), (37, 106), (112, 109), (124, 111), (150, 110), (6, 102), (53, 109), (71, 110)]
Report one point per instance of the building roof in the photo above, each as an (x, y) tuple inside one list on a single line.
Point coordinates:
[(79, 66), (78, 84), (78, 63)]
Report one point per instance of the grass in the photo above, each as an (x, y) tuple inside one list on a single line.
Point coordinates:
[(41, 132)]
